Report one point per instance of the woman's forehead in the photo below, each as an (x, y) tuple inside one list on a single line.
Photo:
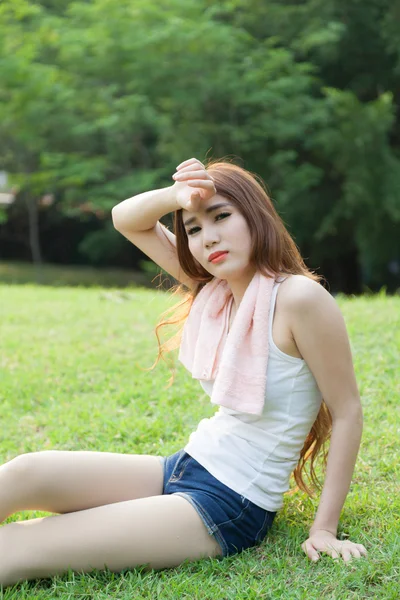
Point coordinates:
[(204, 205)]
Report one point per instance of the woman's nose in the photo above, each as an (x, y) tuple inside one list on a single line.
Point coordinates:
[(210, 240)]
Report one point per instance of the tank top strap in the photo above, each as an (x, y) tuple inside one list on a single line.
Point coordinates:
[(277, 283)]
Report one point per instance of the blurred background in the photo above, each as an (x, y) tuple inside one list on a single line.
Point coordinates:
[(101, 100)]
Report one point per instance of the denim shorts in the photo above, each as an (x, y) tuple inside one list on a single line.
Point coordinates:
[(234, 521)]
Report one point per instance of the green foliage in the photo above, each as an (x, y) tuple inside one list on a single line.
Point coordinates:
[(3, 216), (100, 244), (101, 100)]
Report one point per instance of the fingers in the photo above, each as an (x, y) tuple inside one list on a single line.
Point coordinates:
[(193, 173), (362, 549), (187, 177), (192, 167), (333, 553), (190, 161), (187, 174), (201, 183), (348, 551), (310, 551), (347, 556), (354, 551)]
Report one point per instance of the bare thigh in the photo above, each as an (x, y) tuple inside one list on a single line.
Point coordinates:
[(67, 481), (160, 531)]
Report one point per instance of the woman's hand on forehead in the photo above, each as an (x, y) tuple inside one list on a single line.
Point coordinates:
[(192, 174)]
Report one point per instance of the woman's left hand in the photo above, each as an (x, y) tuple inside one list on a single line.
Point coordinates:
[(324, 541)]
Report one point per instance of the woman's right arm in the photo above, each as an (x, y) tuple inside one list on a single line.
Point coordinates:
[(142, 212), (138, 218)]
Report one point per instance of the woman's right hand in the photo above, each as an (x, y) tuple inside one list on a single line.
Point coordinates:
[(192, 174)]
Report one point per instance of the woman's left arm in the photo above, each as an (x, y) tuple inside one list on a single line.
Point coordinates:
[(319, 331)]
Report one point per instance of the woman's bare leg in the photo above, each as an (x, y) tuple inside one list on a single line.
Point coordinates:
[(67, 481), (160, 531)]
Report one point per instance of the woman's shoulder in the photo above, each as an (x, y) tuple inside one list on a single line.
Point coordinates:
[(305, 304), (300, 291)]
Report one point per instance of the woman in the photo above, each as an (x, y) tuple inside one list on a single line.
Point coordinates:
[(220, 493)]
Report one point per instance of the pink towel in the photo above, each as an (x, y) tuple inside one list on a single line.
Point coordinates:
[(238, 361)]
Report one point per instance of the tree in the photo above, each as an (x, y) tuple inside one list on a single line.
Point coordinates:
[(101, 100)]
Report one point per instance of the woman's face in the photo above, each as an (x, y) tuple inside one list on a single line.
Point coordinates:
[(223, 228)]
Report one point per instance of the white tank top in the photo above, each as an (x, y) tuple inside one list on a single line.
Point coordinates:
[(255, 455)]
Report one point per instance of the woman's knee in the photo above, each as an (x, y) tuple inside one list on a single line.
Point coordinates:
[(26, 469), (17, 466)]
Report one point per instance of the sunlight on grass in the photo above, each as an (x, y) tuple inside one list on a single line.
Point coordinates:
[(71, 363)]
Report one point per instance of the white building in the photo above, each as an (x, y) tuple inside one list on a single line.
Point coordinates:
[(6, 197)]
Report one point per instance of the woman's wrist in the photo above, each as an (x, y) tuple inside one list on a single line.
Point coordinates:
[(315, 528)]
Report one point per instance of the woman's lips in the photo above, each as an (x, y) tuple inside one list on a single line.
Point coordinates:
[(220, 257)]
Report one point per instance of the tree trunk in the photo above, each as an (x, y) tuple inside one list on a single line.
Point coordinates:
[(34, 238)]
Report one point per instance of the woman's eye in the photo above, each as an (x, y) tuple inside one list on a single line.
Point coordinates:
[(193, 229)]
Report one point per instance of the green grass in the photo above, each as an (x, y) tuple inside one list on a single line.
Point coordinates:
[(70, 374), (14, 272)]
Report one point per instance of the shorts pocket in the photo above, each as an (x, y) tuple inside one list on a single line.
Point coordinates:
[(236, 519), (180, 466)]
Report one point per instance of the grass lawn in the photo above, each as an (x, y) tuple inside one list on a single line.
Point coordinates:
[(70, 373), (14, 272)]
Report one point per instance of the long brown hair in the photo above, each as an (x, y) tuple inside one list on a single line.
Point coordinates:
[(273, 253)]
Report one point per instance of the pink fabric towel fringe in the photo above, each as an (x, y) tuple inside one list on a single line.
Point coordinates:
[(238, 361)]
